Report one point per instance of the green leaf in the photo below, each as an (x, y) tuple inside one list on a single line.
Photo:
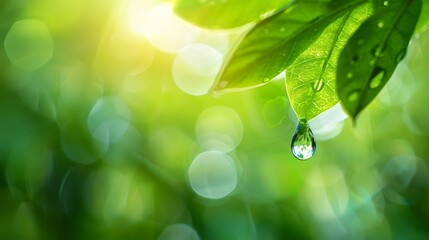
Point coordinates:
[(423, 23), (225, 13), (311, 79), (373, 52), (273, 44)]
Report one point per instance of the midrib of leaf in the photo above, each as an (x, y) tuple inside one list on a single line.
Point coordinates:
[(383, 44), (328, 57)]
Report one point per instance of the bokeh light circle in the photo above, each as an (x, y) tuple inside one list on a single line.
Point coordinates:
[(219, 128), (213, 175), (195, 68), (166, 31), (29, 44), (405, 179), (179, 232), (109, 119)]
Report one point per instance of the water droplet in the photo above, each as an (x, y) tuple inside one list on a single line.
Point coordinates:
[(377, 77), (266, 80), (349, 75), (400, 56), (303, 145), (353, 96), (377, 52), (282, 29), (380, 24), (386, 3), (372, 62), (318, 85), (354, 60)]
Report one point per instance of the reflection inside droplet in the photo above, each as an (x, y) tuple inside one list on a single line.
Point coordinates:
[(303, 145)]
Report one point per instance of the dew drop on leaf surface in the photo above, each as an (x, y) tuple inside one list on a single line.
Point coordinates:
[(318, 85), (353, 96), (303, 144), (377, 51), (378, 75), (400, 56)]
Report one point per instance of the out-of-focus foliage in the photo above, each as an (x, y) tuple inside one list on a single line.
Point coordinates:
[(107, 132)]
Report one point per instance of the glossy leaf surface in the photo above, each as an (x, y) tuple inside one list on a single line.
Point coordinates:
[(275, 43), (311, 79), (373, 52)]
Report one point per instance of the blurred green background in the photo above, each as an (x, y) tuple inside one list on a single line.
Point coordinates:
[(106, 132)]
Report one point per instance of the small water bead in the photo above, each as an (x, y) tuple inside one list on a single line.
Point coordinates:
[(400, 56), (386, 3), (349, 75), (353, 96), (377, 52), (266, 80), (377, 78), (317, 86), (380, 24), (282, 29), (303, 145)]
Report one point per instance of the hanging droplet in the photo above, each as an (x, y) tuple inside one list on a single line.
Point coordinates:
[(303, 145), (318, 85), (377, 77), (380, 24), (349, 75), (400, 56), (386, 3)]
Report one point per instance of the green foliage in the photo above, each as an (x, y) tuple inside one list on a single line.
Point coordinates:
[(225, 14), (372, 53), (311, 78), (316, 42)]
